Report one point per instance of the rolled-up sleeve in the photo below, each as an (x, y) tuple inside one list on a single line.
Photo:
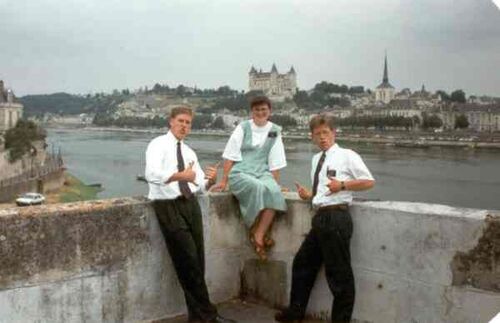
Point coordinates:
[(358, 168), (277, 158), (200, 179), (233, 146), (155, 173)]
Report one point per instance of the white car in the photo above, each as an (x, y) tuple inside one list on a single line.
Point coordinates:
[(30, 199)]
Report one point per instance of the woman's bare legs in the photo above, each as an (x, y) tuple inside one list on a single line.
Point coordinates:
[(264, 222)]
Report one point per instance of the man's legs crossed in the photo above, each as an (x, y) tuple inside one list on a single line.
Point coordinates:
[(184, 250)]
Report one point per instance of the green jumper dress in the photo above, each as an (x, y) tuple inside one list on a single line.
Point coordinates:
[(250, 179)]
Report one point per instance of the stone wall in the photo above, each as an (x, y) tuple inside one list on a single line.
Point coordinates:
[(105, 261)]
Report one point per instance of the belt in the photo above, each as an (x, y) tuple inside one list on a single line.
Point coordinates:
[(343, 207)]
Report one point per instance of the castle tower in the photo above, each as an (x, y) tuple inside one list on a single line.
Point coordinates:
[(273, 84)]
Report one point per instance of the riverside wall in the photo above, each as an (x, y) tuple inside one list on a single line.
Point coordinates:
[(105, 261)]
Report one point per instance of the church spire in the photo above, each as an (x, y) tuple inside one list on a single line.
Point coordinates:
[(386, 74)]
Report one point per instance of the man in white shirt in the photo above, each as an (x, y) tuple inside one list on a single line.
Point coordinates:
[(335, 173), (174, 176)]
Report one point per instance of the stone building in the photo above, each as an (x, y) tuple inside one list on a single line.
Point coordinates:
[(10, 110), (485, 118), (385, 92), (276, 86)]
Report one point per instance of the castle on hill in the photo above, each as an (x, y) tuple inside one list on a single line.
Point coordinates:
[(275, 85)]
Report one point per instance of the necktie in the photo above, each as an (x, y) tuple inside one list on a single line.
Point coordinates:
[(183, 185), (316, 173)]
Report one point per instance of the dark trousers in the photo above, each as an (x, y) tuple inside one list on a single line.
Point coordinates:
[(181, 224), (328, 243)]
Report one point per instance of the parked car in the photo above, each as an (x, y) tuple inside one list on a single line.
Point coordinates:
[(30, 199)]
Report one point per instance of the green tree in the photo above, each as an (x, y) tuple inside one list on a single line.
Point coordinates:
[(219, 123), (461, 122), (18, 140), (444, 96), (458, 96), (431, 122)]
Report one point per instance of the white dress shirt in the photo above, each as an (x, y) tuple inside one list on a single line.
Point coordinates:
[(276, 159), (348, 166), (161, 164)]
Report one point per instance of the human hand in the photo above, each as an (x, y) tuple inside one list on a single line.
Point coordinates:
[(211, 173), (188, 174), (219, 187), (303, 192), (334, 185), (285, 189)]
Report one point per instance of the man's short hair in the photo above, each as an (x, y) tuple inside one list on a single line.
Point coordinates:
[(322, 119), (259, 100), (181, 110)]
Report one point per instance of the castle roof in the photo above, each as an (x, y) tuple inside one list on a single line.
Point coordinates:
[(274, 69), (292, 70)]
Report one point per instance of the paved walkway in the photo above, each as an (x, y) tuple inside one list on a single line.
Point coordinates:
[(242, 312)]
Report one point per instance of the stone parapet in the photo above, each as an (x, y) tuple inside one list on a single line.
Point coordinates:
[(105, 261)]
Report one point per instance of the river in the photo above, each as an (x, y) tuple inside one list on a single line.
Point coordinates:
[(452, 176)]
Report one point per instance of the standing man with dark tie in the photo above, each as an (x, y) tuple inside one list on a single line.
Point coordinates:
[(335, 173), (174, 176)]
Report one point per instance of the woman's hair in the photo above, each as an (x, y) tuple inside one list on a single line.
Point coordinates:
[(261, 99), (181, 110), (321, 119)]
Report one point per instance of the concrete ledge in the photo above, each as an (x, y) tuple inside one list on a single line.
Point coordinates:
[(105, 261)]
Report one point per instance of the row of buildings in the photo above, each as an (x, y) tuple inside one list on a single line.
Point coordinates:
[(482, 114)]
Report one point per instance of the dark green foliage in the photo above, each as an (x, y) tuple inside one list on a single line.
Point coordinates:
[(218, 123), (202, 121), (458, 96), (431, 122), (444, 96), (326, 94), (284, 120), (57, 103), (63, 103), (18, 140), (461, 122), (105, 120), (378, 122)]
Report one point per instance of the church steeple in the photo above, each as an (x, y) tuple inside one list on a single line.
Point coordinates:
[(386, 74)]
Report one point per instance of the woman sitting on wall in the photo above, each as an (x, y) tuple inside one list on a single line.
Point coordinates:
[(253, 157)]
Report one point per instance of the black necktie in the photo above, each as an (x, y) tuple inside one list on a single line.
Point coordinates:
[(183, 185), (316, 173)]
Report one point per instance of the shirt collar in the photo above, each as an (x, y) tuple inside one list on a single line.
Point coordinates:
[(172, 139), (332, 149)]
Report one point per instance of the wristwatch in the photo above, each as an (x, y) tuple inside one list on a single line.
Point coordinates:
[(342, 186)]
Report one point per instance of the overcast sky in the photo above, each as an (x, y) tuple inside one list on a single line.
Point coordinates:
[(82, 46)]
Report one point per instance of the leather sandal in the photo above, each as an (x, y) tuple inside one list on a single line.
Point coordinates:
[(259, 249)]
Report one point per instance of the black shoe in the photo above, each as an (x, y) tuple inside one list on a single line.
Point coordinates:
[(220, 319), (288, 316)]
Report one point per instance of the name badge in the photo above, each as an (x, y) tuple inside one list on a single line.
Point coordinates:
[(331, 173), (272, 134)]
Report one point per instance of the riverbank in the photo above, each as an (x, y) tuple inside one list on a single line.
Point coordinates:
[(73, 190), (397, 139)]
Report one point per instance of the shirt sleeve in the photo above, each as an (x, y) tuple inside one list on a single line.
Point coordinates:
[(233, 146), (154, 160), (277, 158), (200, 179), (358, 168)]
